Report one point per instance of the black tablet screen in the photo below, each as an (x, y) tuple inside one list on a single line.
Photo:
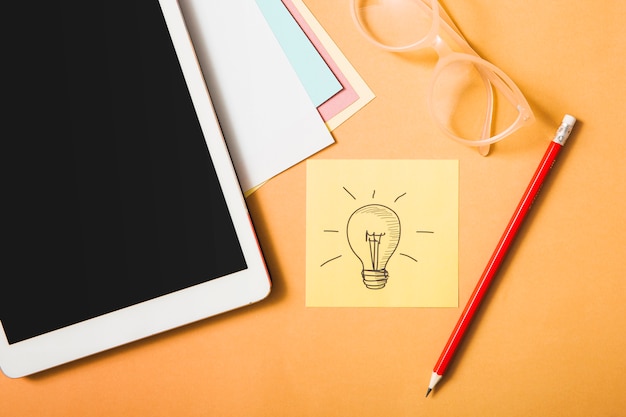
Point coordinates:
[(109, 195)]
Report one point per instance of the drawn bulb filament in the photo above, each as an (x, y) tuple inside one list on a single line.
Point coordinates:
[(376, 249)]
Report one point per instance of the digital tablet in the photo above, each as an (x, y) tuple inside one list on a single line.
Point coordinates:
[(122, 215)]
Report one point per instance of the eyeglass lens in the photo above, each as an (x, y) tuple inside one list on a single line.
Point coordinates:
[(394, 23), (463, 100)]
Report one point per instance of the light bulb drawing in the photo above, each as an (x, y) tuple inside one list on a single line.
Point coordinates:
[(373, 235)]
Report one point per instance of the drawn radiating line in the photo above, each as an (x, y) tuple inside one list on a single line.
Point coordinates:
[(408, 256), (331, 259), (398, 197), (423, 231), (346, 190), (373, 193), (330, 231)]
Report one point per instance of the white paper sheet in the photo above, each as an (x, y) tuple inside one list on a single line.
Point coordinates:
[(267, 118)]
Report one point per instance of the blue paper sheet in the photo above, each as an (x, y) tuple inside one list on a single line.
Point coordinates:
[(315, 75)]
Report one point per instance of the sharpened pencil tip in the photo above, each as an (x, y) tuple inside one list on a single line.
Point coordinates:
[(428, 392)]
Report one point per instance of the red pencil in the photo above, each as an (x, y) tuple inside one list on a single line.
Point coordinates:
[(501, 250)]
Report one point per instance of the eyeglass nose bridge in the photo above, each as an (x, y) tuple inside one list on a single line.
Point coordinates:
[(441, 47)]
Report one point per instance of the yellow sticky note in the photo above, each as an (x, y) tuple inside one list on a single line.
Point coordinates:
[(382, 233)]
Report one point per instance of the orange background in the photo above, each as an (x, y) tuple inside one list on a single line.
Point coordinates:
[(550, 339)]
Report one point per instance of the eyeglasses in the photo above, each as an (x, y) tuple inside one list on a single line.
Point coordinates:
[(471, 100)]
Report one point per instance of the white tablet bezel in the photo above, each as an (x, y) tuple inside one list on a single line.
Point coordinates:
[(177, 308)]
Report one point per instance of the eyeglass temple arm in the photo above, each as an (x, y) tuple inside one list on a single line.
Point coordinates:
[(488, 123)]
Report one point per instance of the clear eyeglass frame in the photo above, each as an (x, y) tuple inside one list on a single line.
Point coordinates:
[(442, 27)]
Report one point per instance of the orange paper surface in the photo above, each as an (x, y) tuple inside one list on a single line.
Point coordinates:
[(549, 340)]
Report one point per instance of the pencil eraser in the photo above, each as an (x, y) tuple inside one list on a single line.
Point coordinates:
[(569, 120), (564, 130)]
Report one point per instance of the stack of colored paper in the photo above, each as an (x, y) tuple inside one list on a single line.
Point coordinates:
[(278, 82)]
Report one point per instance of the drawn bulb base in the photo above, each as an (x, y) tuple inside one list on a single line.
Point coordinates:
[(375, 279)]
